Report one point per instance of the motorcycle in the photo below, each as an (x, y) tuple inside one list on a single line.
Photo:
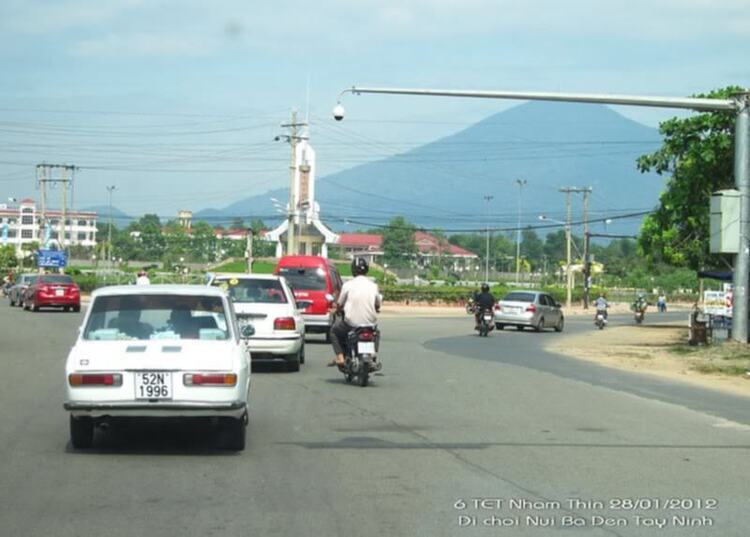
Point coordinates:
[(360, 356), (486, 323), (638, 315), (601, 319)]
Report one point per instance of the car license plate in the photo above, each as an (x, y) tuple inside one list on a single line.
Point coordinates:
[(366, 347), (59, 292), (153, 385)]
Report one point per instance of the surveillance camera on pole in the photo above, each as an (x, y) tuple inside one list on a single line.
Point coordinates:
[(338, 112)]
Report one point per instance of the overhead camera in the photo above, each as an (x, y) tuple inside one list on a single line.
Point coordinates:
[(338, 112)]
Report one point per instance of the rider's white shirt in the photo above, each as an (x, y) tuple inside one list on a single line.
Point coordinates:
[(359, 298)]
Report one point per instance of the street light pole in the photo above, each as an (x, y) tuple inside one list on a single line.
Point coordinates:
[(521, 183), (739, 104), (488, 199)]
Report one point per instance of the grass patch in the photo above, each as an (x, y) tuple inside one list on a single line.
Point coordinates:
[(721, 369), (259, 267)]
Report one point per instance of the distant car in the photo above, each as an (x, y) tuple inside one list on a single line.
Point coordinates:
[(158, 351), (52, 291), (15, 291), (535, 309), (267, 303), (316, 279)]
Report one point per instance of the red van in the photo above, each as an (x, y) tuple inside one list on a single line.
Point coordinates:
[(315, 279)]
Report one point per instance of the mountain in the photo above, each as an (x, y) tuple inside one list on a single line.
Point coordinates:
[(119, 218), (443, 184)]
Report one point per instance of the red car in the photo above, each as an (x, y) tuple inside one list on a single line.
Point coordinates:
[(52, 291), (315, 279)]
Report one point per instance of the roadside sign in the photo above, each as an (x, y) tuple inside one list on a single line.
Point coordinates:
[(717, 303), (52, 258)]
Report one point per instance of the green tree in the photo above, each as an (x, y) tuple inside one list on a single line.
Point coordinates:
[(7, 256), (532, 247), (398, 242), (697, 154)]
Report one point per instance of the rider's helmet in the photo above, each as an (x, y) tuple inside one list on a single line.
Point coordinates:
[(360, 266), (142, 273), (485, 288)]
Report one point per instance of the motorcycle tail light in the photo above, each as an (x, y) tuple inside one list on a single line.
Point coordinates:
[(366, 335)]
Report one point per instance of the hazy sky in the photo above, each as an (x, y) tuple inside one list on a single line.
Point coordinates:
[(177, 103)]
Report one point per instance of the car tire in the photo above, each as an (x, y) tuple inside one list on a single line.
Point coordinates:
[(292, 362), (560, 324), (66, 309), (499, 326), (519, 327), (235, 431), (538, 326), (302, 353), (11, 302), (77, 309), (81, 432)]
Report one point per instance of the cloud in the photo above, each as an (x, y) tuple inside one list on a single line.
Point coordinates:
[(141, 45)]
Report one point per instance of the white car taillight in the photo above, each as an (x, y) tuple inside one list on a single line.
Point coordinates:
[(95, 379), (209, 379)]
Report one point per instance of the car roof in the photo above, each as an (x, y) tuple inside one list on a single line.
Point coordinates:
[(526, 291), (244, 276), (304, 261), (162, 289)]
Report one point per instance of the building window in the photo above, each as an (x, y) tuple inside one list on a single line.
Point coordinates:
[(12, 220), (27, 210), (82, 236), (27, 234), (11, 233), (82, 222), (54, 221), (27, 220)]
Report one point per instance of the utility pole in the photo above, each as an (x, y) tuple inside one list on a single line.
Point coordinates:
[(586, 250), (521, 183), (568, 282), (110, 189), (293, 137), (44, 178), (249, 252), (488, 199)]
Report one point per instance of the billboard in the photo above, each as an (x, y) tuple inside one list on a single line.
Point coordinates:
[(52, 258)]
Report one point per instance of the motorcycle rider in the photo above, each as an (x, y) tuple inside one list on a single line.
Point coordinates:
[(484, 301), (359, 301), (601, 304), (640, 303)]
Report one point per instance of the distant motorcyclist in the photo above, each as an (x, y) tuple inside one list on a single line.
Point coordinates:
[(142, 278), (640, 303), (484, 301), (359, 301), (661, 303), (601, 305)]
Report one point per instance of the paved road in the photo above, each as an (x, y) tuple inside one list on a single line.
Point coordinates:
[(454, 417)]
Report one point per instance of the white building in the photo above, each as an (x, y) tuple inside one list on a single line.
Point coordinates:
[(23, 225)]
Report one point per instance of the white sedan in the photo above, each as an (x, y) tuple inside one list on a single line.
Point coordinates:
[(164, 351), (267, 303)]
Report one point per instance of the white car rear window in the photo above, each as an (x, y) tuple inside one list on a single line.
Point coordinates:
[(253, 291), (146, 317)]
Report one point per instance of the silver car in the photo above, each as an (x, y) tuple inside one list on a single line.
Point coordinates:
[(529, 308), (16, 291)]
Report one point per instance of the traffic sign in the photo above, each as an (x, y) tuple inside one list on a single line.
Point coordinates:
[(52, 258)]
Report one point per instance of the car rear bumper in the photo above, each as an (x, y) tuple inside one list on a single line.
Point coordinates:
[(317, 322), (275, 346), (132, 409), (505, 318), (57, 301)]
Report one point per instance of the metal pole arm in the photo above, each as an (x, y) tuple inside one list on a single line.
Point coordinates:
[(691, 103)]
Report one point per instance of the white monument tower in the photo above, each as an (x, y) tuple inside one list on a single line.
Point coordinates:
[(310, 235)]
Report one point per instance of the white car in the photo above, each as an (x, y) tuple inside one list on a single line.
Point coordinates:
[(158, 351), (267, 303)]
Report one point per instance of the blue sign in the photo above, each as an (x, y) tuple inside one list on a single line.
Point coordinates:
[(52, 258)]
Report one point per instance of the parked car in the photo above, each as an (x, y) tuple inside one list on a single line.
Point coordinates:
[(158, 351), (267, 303), (52, 291), (15, 291), (315, 279), (529, 308)]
